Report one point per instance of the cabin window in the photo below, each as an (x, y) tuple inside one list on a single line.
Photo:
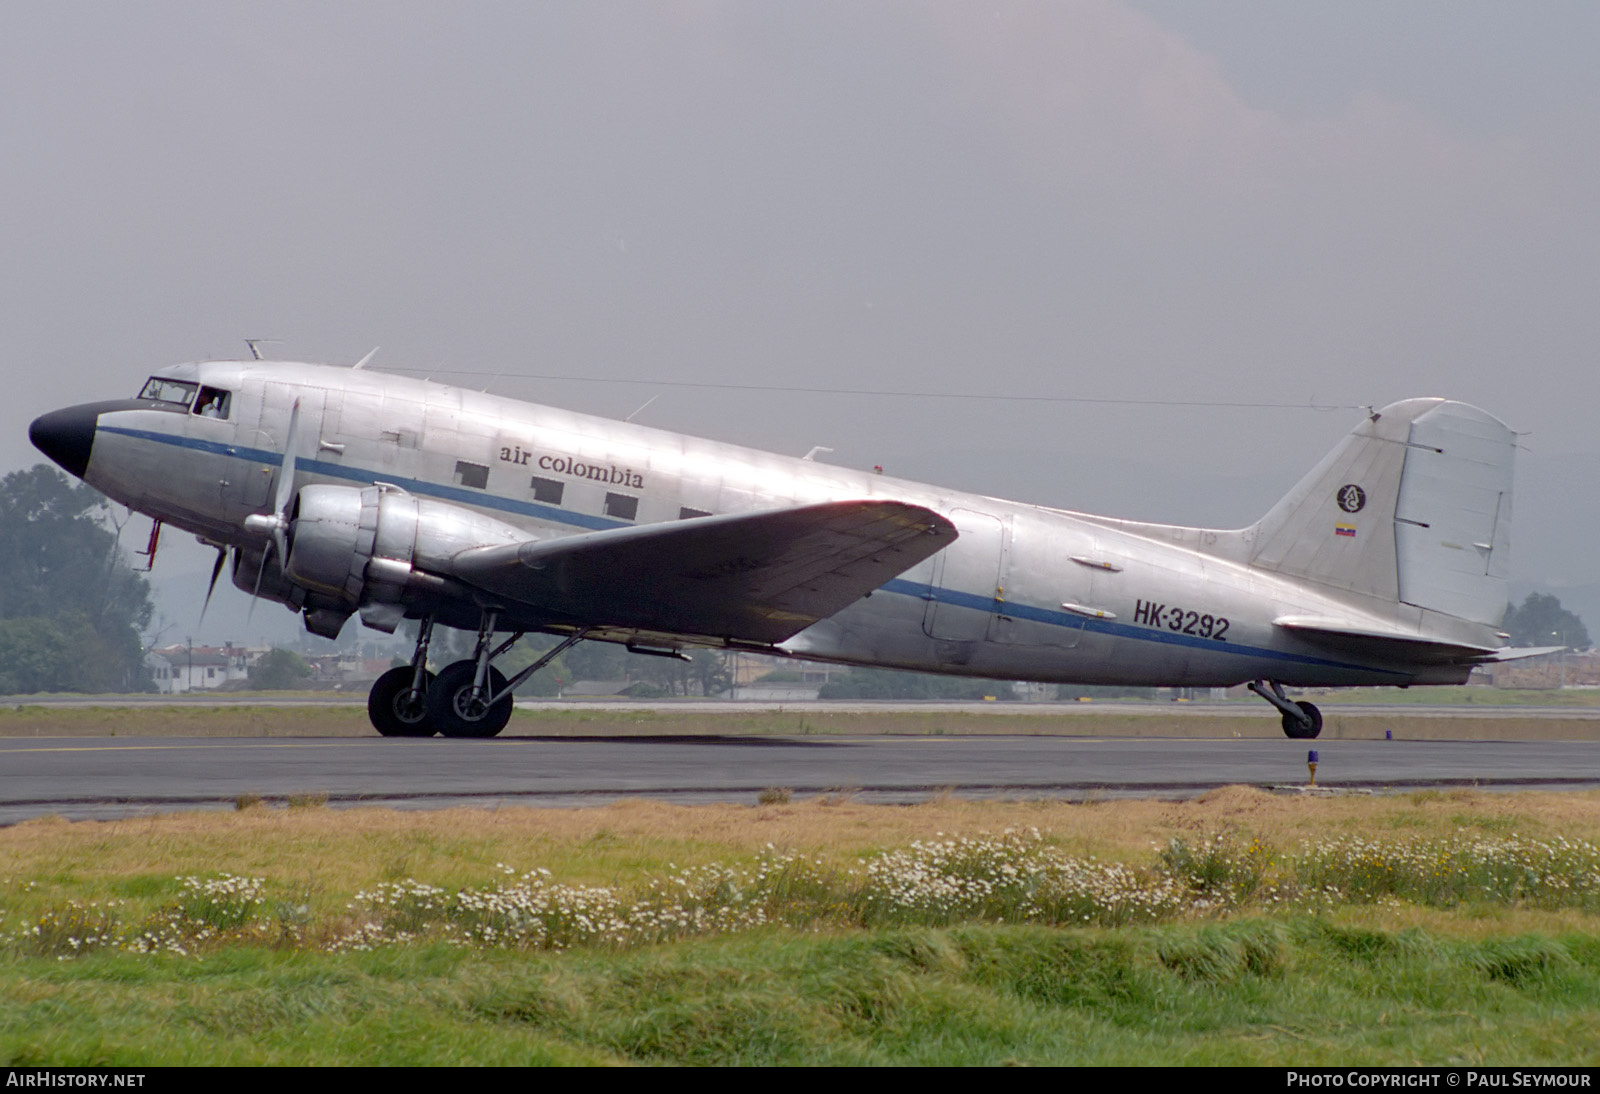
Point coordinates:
[(689, 514), (213, 403), (548, 491), (622, 506), (475, 475), (161, 390)]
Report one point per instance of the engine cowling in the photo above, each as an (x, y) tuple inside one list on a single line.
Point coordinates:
[(328, 546), (262, 576), (364, 547)]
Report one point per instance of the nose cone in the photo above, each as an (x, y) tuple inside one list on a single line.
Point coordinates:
[(67, 436)]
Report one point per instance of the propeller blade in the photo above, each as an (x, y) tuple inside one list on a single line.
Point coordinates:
[(255, 593), (286, 470), (276, 524), (216, 572), (280, 505)]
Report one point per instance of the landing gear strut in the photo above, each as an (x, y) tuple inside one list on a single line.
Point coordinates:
[(398, 703), (460, 706), (1301, 721), (470, 698)]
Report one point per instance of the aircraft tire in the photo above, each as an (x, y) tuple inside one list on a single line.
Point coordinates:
[(449, 698), (388, 710), (1295, 731)]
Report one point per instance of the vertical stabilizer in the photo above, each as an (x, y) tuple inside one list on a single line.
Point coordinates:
[(1413, 506)]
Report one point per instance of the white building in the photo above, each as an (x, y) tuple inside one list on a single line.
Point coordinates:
[(177, 669)]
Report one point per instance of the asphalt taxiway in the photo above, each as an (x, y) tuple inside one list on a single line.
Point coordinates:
[(85, 778)]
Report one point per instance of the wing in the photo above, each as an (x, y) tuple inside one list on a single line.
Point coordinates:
[(756, 577)]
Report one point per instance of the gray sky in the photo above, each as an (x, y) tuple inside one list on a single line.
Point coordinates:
[(1346, 203)]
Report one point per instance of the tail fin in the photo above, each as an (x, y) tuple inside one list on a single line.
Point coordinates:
[(1413, 506)]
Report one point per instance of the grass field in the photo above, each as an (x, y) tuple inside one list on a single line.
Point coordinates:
[(1456, 927)]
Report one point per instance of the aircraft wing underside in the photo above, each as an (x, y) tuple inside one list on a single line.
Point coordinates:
[(757, 578)]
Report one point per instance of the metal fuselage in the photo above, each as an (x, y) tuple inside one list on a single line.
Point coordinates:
[(1025, 592)]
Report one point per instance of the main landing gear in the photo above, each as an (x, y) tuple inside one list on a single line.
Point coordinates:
[(469, 698), (398, 702), (1301, 721)]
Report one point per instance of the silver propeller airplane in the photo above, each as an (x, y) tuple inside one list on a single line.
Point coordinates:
[(341, 491)]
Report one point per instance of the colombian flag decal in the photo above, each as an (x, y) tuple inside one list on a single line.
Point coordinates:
[(1342, 529)]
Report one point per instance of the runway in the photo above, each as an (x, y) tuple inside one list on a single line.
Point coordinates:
[(1145, 708), (88, 778)]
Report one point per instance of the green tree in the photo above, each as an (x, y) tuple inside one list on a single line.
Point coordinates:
[(597, 661), (710, 671), (705, 672), (279, 670), (70, 606), (664, 675), (542, 684), (1542, 621)]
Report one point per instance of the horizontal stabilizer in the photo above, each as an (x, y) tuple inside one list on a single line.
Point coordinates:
[(1517, 653), (1374, 637), (757, 577)]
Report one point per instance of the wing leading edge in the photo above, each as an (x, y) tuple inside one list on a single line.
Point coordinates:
[(757, 577)]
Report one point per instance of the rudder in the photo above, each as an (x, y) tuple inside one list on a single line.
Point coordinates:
[(1413, 506)]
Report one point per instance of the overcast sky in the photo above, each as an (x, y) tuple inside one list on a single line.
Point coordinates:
[(1337, 203)]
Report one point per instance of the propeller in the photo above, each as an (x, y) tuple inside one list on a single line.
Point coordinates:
[(216, 571), (276, 523)]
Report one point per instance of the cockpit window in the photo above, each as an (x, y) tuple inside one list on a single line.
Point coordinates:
[(213, 402), (161, 390)]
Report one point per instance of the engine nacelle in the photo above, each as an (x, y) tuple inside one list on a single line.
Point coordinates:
[(328, 547), (353, 547), (258, 573), (264, 577)]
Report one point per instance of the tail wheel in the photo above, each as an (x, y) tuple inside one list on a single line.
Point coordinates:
[(457, 712), (1293, 728), (394, 710)]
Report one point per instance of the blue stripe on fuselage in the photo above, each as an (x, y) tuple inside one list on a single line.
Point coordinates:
[(367, 478), (917, 590), (1050, 617)]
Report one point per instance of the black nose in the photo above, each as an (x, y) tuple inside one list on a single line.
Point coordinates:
[(66, 436)]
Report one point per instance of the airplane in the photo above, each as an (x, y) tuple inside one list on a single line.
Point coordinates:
[(341, 491)]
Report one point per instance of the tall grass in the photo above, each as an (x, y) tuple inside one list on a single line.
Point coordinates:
[(1506, 871), (1016, 877), (1296, 989)]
